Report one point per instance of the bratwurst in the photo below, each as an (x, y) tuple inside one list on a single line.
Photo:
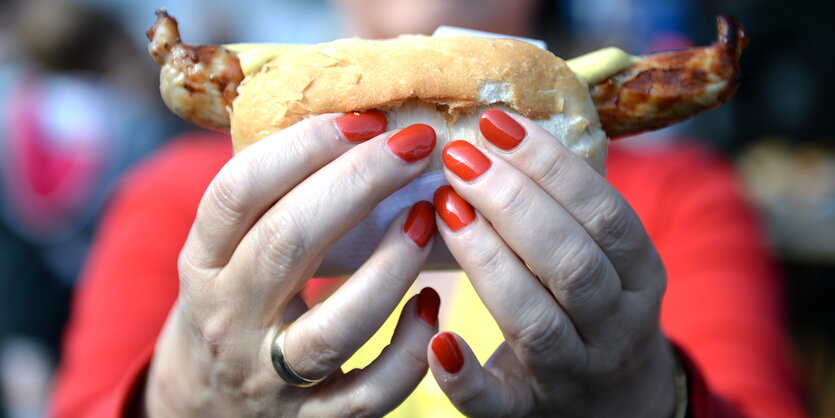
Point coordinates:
[(199, 83)]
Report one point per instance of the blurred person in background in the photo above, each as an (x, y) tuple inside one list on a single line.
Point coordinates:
[(76, 109), (137, 346)]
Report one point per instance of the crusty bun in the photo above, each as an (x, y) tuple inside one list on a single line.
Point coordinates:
[(255, 90), (457, 78), (444, 82)]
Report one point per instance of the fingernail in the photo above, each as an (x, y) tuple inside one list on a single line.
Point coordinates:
[(500, 129), (428, 304), (448, 353), (362, 126), (413, 142), (465, 160), (454, 210), (420, 224)]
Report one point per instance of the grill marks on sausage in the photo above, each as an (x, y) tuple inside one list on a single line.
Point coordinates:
[(199, 83), (665, 88)]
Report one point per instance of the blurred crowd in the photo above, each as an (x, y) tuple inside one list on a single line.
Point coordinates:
[(79, 105), (78, 108)]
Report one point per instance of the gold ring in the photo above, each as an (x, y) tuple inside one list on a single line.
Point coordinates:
[(283, 369)]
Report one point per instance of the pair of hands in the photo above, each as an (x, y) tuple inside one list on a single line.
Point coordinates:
[(556, 254)]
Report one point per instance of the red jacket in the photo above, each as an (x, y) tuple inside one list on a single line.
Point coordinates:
[(723, 305)]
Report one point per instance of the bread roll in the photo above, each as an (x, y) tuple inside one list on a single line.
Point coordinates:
[(443, 82)]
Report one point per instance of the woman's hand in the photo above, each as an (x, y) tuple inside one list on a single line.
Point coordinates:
[(260, 232), (567, 270)]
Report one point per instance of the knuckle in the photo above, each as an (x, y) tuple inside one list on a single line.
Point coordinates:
[(229, 193), (302, 146), (413, 359), (362, 176), (214, 330), (185, 268), (381, 266), (470, 394), (507, 407), (323, 351), (194, 287), (582, 269), (196, 284), (538, 339), (283, 240), (397, 275), (364, 403), (550, 168), (488, 258), (613, 226), (307, 131), (657, 285), (512, 200), (215, 333)]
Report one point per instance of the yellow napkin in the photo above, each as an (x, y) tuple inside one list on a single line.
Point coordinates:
[(467, 316)]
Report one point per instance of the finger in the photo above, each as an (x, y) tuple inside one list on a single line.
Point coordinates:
[(322, 208), (535, 326), (325, 337), (472, 389), (586, 195), (389, 379), (560, 252), (260, 174)]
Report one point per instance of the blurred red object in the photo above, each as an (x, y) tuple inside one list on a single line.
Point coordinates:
[(55, 153)]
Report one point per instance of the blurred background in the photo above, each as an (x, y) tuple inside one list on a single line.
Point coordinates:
[(79, 105)]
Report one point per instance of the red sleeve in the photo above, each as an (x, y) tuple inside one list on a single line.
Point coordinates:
[(723, 306), (130, 280)]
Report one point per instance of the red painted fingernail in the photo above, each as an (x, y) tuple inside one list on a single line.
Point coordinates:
[(362, 126), (413, 142), (454, 210), (447, 351), (428, 304), (465, 160), (420, 224), (500, 129)]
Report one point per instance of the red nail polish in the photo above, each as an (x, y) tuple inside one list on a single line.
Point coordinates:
[(362, 126), (465, 160), (413, 142), (420, 224), (453, 209), (446, 349), (500, 129), (428, 303)]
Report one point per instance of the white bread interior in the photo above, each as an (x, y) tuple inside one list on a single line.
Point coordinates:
[(588, 143)]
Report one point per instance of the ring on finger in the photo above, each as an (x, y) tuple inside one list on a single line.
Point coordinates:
[(282, 368)]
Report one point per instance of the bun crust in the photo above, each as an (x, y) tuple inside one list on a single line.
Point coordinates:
[(458, 76)]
